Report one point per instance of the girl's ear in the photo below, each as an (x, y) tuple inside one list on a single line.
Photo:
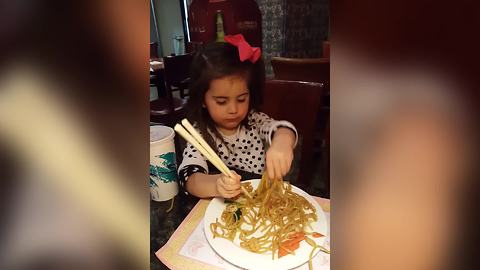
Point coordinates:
[(204, 106)]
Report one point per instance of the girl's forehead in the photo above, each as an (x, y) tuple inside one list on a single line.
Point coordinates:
[(228, 86)]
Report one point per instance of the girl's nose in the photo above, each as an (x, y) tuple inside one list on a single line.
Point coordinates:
[(232, 108)]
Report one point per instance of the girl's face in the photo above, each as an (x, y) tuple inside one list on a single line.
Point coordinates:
[(227, 102)]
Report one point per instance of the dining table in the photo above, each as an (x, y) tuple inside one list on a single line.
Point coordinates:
[(178, 240), (156, 64)]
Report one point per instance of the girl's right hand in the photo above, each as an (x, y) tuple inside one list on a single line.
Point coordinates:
[(229, 187)]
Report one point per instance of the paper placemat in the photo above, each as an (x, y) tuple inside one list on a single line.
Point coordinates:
[(188, 247)]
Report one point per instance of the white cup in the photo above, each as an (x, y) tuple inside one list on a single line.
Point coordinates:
[(163, 165)]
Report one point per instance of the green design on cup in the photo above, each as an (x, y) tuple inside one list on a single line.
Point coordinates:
[(152, 181), (166, 172)]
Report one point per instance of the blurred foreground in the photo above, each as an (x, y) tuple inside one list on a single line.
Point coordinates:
[(404, 132), (74, 135)]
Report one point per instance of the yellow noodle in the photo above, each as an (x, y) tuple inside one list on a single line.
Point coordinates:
[(310, 267), (274, 213)]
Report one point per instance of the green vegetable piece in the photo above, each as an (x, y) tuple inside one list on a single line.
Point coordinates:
[(237, 214)]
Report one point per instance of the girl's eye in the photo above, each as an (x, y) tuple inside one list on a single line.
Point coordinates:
[(242, 100), (221, 102)]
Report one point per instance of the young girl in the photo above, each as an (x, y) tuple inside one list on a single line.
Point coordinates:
[(223, 106)]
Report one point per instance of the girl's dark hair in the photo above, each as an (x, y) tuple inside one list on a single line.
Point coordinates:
[(215, 61)]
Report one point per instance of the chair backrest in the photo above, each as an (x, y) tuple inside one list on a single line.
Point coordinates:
[(302, 69), (177, 69), (299, 103), (326, 49), (193, 46), (153, 50)]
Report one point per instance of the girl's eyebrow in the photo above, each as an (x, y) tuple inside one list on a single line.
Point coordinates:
[(241, 95)]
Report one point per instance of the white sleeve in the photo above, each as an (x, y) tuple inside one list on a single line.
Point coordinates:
[(267, 126)]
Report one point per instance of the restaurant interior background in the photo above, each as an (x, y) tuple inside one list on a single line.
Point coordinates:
[(289, 28)]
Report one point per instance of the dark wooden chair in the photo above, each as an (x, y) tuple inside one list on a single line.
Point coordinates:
[(297, 102), (156, 76), (302, 69), (154, 50), (311, 70), (193, 46), (326, 49), (167, 110), (177, 73)]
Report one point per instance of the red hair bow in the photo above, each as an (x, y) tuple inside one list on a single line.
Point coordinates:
[(245, 51)]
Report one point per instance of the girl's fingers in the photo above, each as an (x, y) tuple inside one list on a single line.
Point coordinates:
[(284, 167), (230, 193), (235, 193), (270, 168), (236, 176), (221, 190), (232, 180), (236, 179), (227, 194), (278, 169), (231, 184), (230, 187), (288, 164), (281, 166), (227, 180)]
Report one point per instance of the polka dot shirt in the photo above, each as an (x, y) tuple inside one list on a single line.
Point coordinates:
[(244, 150)]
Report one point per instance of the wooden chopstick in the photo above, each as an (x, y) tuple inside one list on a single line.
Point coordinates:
[(188, 137), (210, 155), (207, 147), (216, 158), (188, 132)]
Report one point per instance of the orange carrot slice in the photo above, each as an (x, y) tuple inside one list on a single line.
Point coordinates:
[(317, 235), (283, 250), (294, 246), (297, 234), (296, 238), (290, 245)]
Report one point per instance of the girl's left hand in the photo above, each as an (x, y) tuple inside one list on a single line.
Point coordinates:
[(279, 159)]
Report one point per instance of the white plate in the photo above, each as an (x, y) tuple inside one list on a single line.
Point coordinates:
[(233, 253)]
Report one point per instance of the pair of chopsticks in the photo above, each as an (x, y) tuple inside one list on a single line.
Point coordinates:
[(188, 132)]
